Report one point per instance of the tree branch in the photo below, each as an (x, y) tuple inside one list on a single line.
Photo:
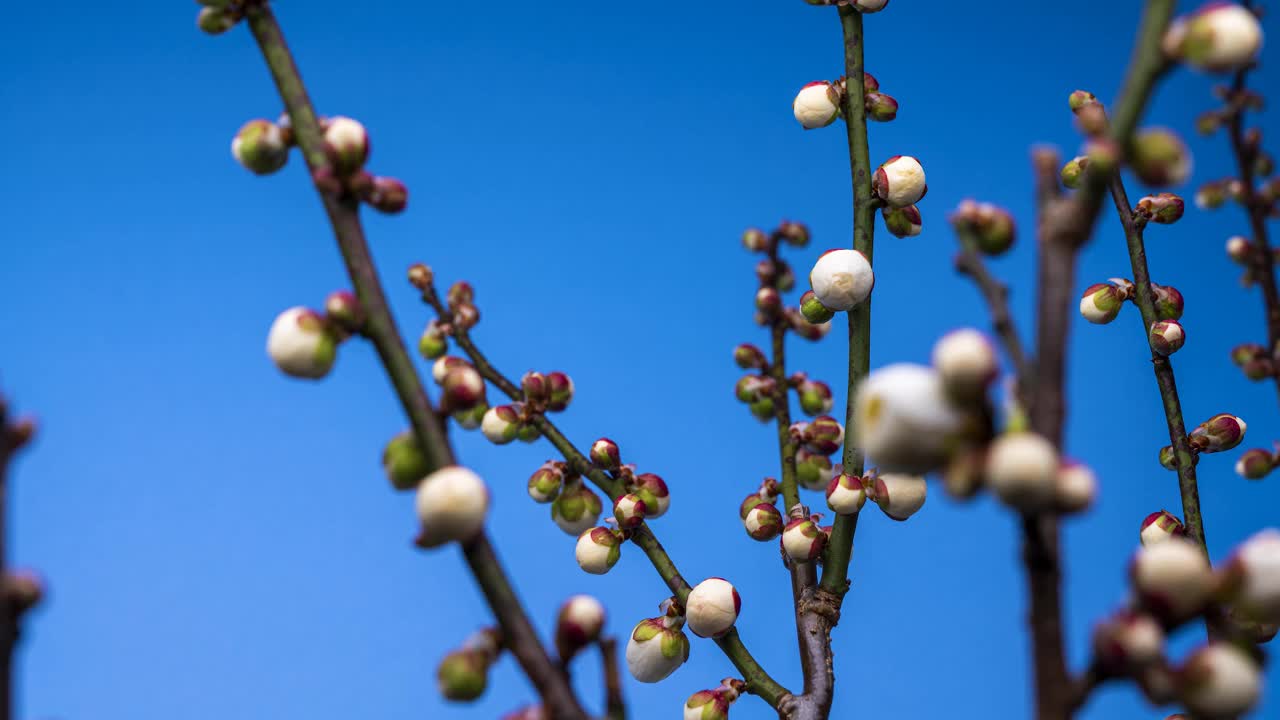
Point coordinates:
[(758, 681), (519, 634), (1145, 299), (969, 262), (614, 703)]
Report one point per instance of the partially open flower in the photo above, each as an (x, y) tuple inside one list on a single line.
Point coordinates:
[(1160, 158), (451, 504), (578, 624), (763, 521), (816, 105), (902, 222), (604, 454), (899, 496), (576, 509), (1101, 303), (1219, 37), (1167, 336), (1173, 579), (404, 461), (1162, 209), (629, 510), (598, 550), (1255, 464), (905, 420), (1255, 571), (803, 540), (712, 607), (301, 344), (1127, 642), (966, 361), (842, 279), (1219, 682), (899, 181), (845, 494), (1076, 488), (652, 490), (658, 646), (1160, 526), (261, 147), (348, 143), (1217, 434), (501, 424), (545, 483)]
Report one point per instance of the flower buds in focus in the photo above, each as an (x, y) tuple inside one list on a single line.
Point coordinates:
[(712, 607), (803, 540), (816, 105), (1160, 158), (880, 107), (261, 147), (404, 461), (1101, 303), (1217, 434), (1219, 37), (301, 344), (604, 454), (842, 279), (713, 704), (1160, 526), (899, 181), (845, 494), (1022, 470), (576, 509), (501, 424), (763, 521), (1166, 336), (1162, 209), (899, 496), (966, 362), (451, 504), (1168, 302), (905, 420), (768, 493), (902, 222), (629, 510), (868, 6), (658, 646), (1172, 579), (812, 308), (1219, 681), (822, 436), (545, 483), (652, 490), (598, 550), (348, 143), (578, 624)]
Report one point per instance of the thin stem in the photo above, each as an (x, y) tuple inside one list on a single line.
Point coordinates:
[(519, 634), (969, 262), (1262, 260), (1145, 299), (759, 682), (614, 703), (8, 610), (835, 574)]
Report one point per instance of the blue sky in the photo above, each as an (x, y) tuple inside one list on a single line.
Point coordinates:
[(220, 541)]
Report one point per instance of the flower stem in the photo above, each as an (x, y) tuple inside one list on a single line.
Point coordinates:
[(519, 634)]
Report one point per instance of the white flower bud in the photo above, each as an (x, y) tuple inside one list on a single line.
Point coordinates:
[(301, 345), (905, 421), (803, 540), (1257, 563), (578, 624), (629, 510), (451, 504), (868, 6), (816, 105), (657, 647), (1076, 488), (900, 181), (1128, 642), (1022, 469), (1172, 579), (1219, 37), (598, 550), (500, 424), (763, 521), (1219, 682), (966, 361), (1158, 527), (899, 496), (842, 279), (845, 495), (712, 607), (350, 144)]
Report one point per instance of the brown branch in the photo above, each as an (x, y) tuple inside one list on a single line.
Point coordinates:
[(614, 702), (343, 211), (969, 262), (759, 682)]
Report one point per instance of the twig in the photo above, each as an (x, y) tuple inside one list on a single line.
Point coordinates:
[(1065, 225), (615, 704), (1163, 367), (519, 634), (8, 609), (969, 262), (758, 681)]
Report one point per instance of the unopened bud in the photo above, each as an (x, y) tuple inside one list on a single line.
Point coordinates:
[(768, 301), (1219, 37), (1160, 158), (1167, 336), (1239, 249), (1101, 303), (463, 675), (1253, 577), (749, 357), (803, 540), (1169, 302), (712, 607), (217, 20), (756, 240), (966, 361), (605, 455), (1172, 579), (404, 461), (814, 470), (1219, 681), (1092, 119), (842, 279), (534, 386), (899, 181), (1162, 209), (845, 494), (629, 510), (576, 509), (470, 419), (880, 107), (501, 424), (302, 344), (867, 7), (1255, 464), (598, 550), (1022, 469), (559, 391), (463, 388), (1217, 434), (1079, 99), (578, 624), (1127, 642), (1168, 458), (905, 419), (652, 489), (348, 143), (1076, 488), (1073, 172), (260, 146), (1160, 526), (816, 105), (763, 521), (1211, 196), (657, 646), (452, 503), (902, 222), (899, 496), (387, 195), (815, 397), (546, 481), (420, 276), (24, 590), (795, 234)]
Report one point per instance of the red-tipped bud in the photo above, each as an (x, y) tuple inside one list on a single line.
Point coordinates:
[(768, 300), (576, 509), (1162, 209), (1255, 464), (1160, 158), (815, 397), (902, 222), (387, 195), (1217, 434), (463, 388), (991, 227), (1167, 336), (651, 489), (795, 234), (899, 496), (756, 240), (546, 481), (598, 550), (817, 105), (824, 435), (880, 107), (1072, 174), (1169, 303), (348, 144), (578, 624), (899, 181), (605, 455), (1160, 526), (343, 311), (559, 391), (629, 510), (749, 357), (814, 470), (1101, 303), (762, 521), (501, 424), (803, 540), (1127, 643), (261, 146), (845, 494)]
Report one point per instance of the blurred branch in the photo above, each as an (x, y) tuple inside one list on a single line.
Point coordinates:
[(1145, 299), (1065, 224), (615, 704), (343, 211), (758, 681), (969, 262)]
